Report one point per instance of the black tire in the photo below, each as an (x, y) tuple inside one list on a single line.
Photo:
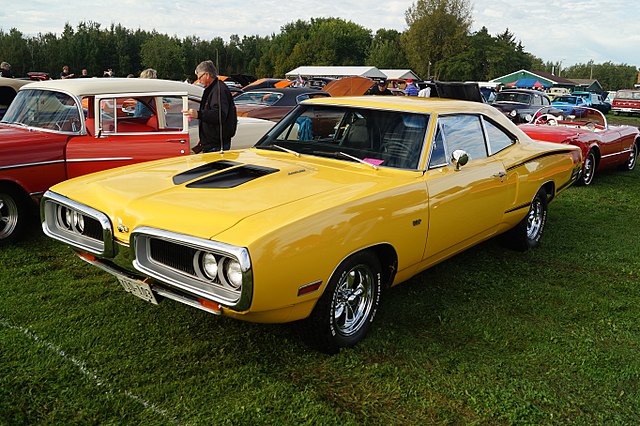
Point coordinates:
[(528, 232), (588, 169), (13, 215), (343, 315), (633, 159)]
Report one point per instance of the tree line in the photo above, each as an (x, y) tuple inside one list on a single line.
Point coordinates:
[(438, 43)]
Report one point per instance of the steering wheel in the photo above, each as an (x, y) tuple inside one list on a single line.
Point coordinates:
[(396, 149), (590, 125), (548, 119)]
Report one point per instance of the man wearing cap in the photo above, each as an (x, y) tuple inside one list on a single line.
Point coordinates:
[(381, 88), (410, 89)]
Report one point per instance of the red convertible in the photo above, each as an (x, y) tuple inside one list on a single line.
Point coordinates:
[(58, 129), (603, 146)]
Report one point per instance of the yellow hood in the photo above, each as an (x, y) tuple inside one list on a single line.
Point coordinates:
[(160, 194)]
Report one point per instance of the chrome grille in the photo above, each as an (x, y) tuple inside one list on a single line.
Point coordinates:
[(173, 255)]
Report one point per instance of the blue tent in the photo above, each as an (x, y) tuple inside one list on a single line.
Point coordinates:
[(530, 82)]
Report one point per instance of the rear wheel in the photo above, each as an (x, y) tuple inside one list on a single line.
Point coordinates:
[(633, 158), (588, 169), (528, 232), (345, 311), (13, 215)]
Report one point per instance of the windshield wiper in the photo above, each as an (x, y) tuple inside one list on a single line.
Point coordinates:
[(290, 151), (337, 154), (16, 123)]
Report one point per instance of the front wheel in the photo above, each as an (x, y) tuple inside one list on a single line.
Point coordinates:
[(588, 169), (633, 157), (13, 215), (528, 232), (345, 311)]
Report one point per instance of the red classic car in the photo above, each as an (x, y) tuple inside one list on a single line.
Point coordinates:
[(602, 146), (58, 129)]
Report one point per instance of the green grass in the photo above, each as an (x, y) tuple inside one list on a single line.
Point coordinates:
[(630, 120), (489, 337)]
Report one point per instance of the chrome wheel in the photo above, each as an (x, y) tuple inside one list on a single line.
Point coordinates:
[(353, 299), (633, 156), (535, 219), (9, 215), (589, 168), (344, 313)]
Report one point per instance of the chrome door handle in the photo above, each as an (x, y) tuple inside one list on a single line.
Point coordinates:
[(500, 174)]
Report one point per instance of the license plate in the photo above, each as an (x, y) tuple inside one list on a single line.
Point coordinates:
[(138, 288)]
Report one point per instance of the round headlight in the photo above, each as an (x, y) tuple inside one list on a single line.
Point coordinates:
[(527, 118), (233, 274), (78, 221), (513, 113), (210, 265), (68, 217)]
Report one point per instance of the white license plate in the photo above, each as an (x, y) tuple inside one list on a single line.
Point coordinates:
[(138, 288)]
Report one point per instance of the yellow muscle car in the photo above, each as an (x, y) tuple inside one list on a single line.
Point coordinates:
[(342, 198)]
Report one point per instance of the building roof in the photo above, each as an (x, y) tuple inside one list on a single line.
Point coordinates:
[(540, 75), (395, 74), (336, 72)]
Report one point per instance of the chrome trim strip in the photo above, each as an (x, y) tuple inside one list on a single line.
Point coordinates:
[(80, 160), (48, 205), (154, 288), (187, 283), (41, 163), (625, 151)]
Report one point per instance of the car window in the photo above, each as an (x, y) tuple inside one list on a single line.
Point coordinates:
[(194, 122), (258, 98), (143, 114), (498, 139), (536, 100), (464, 132), (438, 157), (44, 109), (385, 138), (522, 98)]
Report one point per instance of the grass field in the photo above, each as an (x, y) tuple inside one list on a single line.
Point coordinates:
[(490, 337)]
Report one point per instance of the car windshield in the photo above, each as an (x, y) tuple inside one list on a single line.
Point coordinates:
[(381, 138), (258, 98), (628, 95), (566, 99), (523, 98), (44, 109)]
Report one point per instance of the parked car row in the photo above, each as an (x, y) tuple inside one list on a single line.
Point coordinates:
[(339, 200)]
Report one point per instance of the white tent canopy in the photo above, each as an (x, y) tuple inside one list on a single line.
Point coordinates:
[(400, 74), (336, 72)]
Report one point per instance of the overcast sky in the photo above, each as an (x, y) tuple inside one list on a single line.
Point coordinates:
[(571, 31)]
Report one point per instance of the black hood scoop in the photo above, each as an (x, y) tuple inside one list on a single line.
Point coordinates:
[(203, 170), (222, 174)]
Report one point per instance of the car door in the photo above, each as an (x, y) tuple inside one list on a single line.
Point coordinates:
[(466, 204), (130, 128)]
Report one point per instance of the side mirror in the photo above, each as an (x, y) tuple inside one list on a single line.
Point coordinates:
[(459, 158)]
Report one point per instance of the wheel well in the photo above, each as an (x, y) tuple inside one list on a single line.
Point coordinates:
[(8, 185), (550, 189), (388, 261), (596, 152)]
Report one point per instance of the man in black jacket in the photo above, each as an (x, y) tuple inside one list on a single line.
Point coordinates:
[(217, 113)]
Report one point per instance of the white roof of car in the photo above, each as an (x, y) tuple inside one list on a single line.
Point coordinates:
[(97, 86), (14, 83)]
